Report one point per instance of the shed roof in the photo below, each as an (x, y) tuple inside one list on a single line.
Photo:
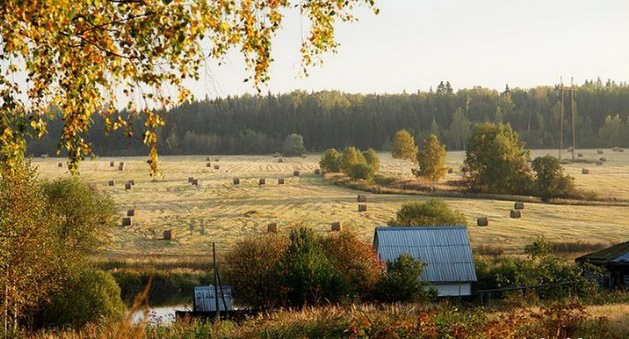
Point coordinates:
[(617, 254), (445, 250)]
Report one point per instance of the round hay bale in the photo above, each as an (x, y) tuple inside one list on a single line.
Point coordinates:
[(261, 181), (580, 155), (599, 163), (208, 159), (121, 166), (209, 164), (169, 234), (304, 156), (361, 198), (127, 186), (190, 179), (362, 208), (295, 173), (60, 164), (44, 156), (132, 182), (236, 181), (482, 221), (281, 160), (518, 205), (112, 164), (111, 182), (317, 171), (615, 149), (276, 155), (376, 190), (335, 226), (217, 167), (450, 170), (515, 214), (599, 151), (585, 171), (126, 221), (603, 159), (132, 213), (195, 182), (621, 150), (280, 181), (271, 228), (217, 159)]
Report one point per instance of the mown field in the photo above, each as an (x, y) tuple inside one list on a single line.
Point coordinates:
[(218, 211)]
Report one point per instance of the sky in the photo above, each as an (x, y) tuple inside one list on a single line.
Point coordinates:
[(414, 44)]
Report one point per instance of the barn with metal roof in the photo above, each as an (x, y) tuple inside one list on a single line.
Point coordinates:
[(445, 250), (614, 261)]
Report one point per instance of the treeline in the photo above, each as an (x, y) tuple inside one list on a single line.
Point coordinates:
[(259, 124)]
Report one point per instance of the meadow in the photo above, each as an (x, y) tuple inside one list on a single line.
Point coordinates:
[(218, 211)]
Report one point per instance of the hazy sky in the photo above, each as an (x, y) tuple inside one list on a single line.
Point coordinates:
[(414, 44)]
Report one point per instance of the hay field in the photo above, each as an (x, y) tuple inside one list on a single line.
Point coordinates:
[(218, 211)]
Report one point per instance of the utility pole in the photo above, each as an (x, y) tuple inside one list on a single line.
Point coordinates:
[(561, 121), (572, 109)]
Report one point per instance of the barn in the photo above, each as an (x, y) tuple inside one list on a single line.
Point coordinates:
[(445, 250), (614, 263)]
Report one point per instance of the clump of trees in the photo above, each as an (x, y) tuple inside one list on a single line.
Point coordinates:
[(49, 229), (293, 145), (352, 162), (550, 181), (304, 268), (433, 212)]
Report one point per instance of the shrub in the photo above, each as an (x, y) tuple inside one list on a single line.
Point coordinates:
[(372, 159), (401, 281), (433, 212), (351, 157), (91, 296), (549, 178), (293, 145), (330, 161), (361, 171)]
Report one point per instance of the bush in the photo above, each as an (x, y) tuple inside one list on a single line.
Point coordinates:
[(550, 181), (330, 161), (293, 145), (433, 212), (361, 171), (372, 159), (400, 283), (91, 296)]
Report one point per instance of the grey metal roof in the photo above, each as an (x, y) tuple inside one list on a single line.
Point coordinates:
[(445, 250), (205, 298)]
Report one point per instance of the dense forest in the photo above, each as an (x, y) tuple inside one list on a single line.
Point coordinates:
[(259, 124)]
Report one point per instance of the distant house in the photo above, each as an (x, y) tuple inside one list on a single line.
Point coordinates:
[(614, 262), (445, 250)]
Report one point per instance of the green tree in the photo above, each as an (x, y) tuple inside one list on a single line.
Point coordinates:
[(372, 159), (401, 282), (496, 159), (432, 159), (404, 147), (433, 212), (612, 133), (351, 157), (549, 178), (459, 129), (330, 161), (293, 145)]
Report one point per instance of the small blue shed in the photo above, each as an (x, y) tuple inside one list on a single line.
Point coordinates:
[(445, 250)]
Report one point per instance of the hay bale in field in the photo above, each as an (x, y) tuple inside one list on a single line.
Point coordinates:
[(335, 226), (195, 182), (621, 150), (280, 181), (280, 160), (121, 166), (111, 182), (271, 228), (276, 155), (482, 221), (132, 212), (261, 181), (60, 164), (44, 156), (295, 173), (580, 155), (376, 190), (169, 234), (126, 221), (217, 159), (518, 205), (317, 171), (208, 159), (217, 167), (515, 214), (132, 182), (450, 170), (112, 164), (599, 163), (362, 207), (585, 171), (304, 156), (236, 181), (209, 164), (603, 159), (599, 151), (190, 179), (615, 149), (127, 186), (361, 198)]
